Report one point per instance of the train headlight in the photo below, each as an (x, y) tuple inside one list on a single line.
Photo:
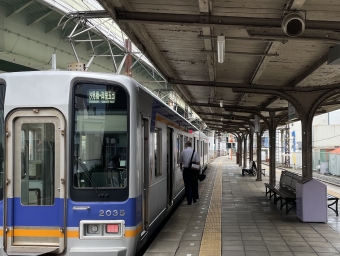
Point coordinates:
[(93, 229), (101, 229)]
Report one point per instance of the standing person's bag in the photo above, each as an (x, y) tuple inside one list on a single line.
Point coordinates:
[(193, 166), (197, 168)]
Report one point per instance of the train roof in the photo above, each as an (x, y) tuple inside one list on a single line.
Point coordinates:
[(69, 76), (169, 109)]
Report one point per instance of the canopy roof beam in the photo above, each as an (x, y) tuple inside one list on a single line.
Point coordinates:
[(215, 21)]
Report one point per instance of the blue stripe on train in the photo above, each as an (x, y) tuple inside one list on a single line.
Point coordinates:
[(1, 212), (52, 215), (106, 211), (34, 215)]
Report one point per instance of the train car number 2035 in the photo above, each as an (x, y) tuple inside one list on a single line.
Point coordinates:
[(108, 213)]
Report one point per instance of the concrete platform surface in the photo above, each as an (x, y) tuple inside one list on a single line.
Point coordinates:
[(235, 218)]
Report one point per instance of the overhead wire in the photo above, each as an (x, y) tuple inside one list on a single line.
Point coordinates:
[(327, 138)]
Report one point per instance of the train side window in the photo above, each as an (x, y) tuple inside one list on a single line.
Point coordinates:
[(157, 151), (185, 139)]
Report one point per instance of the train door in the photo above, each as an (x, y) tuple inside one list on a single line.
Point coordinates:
[(169, 166), (35, 193), (145, 170)]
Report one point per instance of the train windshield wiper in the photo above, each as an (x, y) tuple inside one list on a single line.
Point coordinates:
[(95, 187)]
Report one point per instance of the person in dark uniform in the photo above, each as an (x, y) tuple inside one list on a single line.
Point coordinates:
[(190, 177), (115, 162)]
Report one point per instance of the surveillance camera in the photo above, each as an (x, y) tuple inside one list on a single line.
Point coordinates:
[(293, 24)]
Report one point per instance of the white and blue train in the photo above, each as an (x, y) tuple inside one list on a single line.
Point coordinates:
[(89, 163)]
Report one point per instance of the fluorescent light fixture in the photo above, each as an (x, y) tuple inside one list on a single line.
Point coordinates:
[(221, 103), (220, 48)]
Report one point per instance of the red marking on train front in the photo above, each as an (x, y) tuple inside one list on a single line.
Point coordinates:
[(112, 228)]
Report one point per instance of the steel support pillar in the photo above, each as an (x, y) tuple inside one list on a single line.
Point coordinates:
[(282, 149), (307, 157), (245, 150), (307, 104), (258, 156), (272, 147), (251, 144), (215, 145), (217, 140), (240, 140), (219, 144), (238, 150)]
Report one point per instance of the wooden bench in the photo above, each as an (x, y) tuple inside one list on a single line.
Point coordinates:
[(250, 169), (285, 192)]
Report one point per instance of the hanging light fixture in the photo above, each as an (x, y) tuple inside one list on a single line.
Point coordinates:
[(221, 103), (220, 48)]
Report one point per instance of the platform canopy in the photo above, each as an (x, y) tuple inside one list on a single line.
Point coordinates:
[(282, 46)]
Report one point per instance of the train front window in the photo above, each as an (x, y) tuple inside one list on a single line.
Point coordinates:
[(100, 141)]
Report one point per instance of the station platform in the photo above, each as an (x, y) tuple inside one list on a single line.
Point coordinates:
[(235, 218)]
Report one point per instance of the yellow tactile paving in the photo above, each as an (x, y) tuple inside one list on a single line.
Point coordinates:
[(212, 243), (211, 239), (209, 253), (330, 191), (211, 225)]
